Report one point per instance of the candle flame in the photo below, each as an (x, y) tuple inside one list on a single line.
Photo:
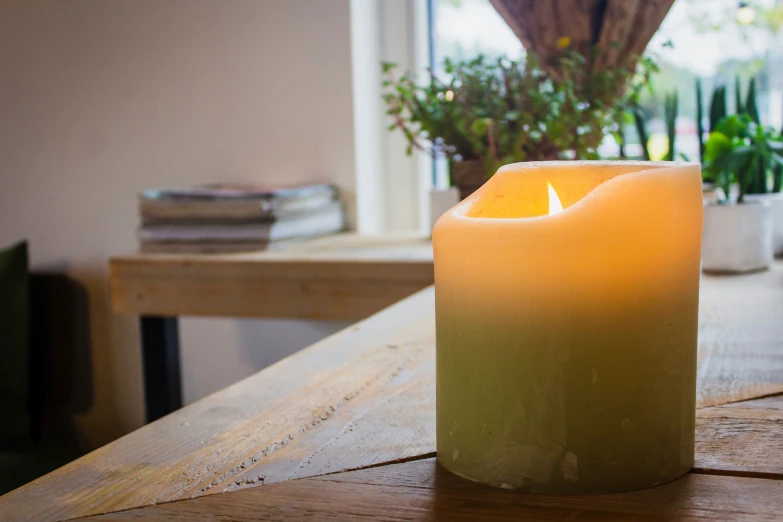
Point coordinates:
[(555, 206)]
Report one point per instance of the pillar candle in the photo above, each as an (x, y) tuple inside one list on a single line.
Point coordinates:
[(567, 310)]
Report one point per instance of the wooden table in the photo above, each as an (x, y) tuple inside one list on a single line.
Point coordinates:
[(341, 277), (345, 429)]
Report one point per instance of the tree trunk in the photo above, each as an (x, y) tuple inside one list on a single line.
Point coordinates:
[(617, 31)]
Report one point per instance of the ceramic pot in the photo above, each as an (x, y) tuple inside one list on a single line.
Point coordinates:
[(442, 200), (737, 237), (775, 201), (468, 176)]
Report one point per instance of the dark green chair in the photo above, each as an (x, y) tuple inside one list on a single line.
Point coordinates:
[(44, 353)]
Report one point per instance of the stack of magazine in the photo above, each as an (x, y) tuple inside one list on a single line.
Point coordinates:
[(236, 218)]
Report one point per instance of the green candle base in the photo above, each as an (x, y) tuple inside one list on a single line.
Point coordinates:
[(555, 405)]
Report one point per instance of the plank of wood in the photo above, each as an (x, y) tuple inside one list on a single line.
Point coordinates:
[(421, 490), (358, 398), (344, 277), (742, 438), (740, 337)]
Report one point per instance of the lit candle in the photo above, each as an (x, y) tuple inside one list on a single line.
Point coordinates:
[(567, 311)]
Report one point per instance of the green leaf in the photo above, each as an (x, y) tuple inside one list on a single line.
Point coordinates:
[(512, 115), (717, 107), (750, 104), (700, 120), (641, 129), (777, 177), (480, 126), (718, 145), (733, 126), (671, 104)]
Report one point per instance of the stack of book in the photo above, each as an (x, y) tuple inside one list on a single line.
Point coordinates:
[(235, 218)]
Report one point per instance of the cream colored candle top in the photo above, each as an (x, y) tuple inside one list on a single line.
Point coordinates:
[(566, 342)]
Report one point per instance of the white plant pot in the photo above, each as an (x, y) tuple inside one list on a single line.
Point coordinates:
[(442, 200), (776, 203), (737, 237)]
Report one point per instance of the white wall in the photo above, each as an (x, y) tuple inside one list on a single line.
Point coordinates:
[(100, 99)]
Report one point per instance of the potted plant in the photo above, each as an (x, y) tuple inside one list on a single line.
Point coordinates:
[(765, 180), (757, 189), (738, 233), (484, 112)]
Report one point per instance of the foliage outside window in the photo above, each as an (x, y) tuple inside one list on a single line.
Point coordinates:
[(711, 41)]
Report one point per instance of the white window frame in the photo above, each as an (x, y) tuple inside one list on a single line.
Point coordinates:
[(392, 189)]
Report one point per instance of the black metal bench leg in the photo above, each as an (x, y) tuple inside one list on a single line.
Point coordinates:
[(160, 361)]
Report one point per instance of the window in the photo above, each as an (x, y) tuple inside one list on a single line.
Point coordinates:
[(466, 28)]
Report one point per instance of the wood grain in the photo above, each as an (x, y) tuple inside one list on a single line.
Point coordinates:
[(343, 277), (740, 337), (743, 438), (361, 397), (421, 490)]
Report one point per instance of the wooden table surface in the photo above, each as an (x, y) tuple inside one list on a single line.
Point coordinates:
[(345, 429), (340, 277)]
